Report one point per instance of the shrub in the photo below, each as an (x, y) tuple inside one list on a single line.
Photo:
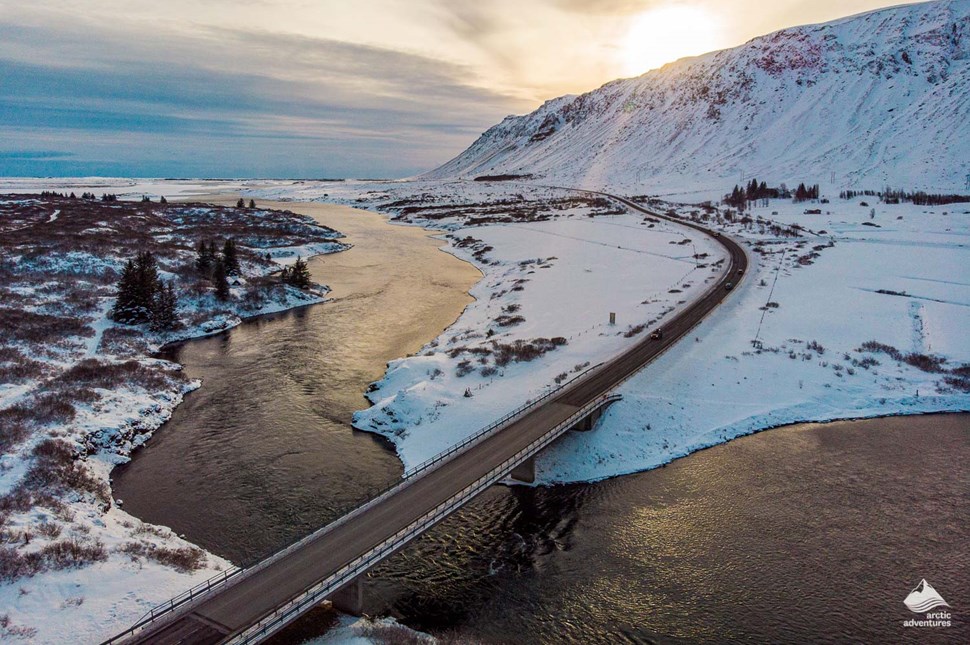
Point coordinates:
[(875, 347), (72, 553), (525, 350), (509, 321), (182, 559), (925, 362), (55, 471), (464, 367), (633, 331)]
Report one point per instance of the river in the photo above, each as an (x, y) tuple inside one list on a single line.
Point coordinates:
[(811, 532), (264, 451)]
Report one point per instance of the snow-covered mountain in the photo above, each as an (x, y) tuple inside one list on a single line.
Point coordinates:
[(874, 99)]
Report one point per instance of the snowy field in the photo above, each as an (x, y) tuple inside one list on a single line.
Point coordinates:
[(843, 314), (549, 280), (900, 277), (78, 393), (704, 393)]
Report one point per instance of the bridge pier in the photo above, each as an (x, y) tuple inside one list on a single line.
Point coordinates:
[(525, 472), (589, 421), (349, 599)]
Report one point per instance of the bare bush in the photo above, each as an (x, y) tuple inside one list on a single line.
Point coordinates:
[(925, 362), (509, 321), (633, 331), (875, 347), (184, 559), (525, 350)]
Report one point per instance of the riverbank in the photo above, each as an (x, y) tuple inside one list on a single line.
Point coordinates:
[(840, 317), (81, 392), (281, 391)]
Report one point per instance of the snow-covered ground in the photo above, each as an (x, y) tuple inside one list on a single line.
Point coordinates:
[(900, 278), (703, 393), (820, 287), (557, 279), (78, 394)]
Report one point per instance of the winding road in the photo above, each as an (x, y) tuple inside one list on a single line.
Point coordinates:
[(229, 611)]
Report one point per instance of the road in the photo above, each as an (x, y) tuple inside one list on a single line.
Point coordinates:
[(244, 601)]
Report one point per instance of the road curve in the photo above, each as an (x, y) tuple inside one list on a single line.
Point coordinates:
[(248, 597)]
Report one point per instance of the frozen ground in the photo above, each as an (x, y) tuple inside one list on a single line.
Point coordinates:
[(557, 279), (813, 296), (841, 315), (703, 393), (78, 393)]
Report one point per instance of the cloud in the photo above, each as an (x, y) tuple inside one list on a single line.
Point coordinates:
[(608, 7), (150, 101), (33, 154)]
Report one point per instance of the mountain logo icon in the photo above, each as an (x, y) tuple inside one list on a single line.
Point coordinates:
[(924, 598)]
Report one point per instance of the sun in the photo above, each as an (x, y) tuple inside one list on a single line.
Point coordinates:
[(667, 33)]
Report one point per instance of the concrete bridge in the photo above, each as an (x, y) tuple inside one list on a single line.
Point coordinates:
[(247, 606)]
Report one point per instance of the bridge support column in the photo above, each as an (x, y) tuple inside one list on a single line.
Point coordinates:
[(349, 599), (588, 422), (525, 472)]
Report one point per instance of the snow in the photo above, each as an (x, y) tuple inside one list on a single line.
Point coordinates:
[(706, 390), (834, 104), (563, 277), (869, 100), (367, 631), (704, 393), (101, 595)]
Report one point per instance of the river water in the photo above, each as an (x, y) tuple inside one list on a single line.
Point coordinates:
[(264, 451), (812, 532)]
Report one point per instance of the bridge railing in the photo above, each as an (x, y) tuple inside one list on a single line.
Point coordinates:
[(188, 595), (317, 592), (413, 474), (477, 436), (410, 476)]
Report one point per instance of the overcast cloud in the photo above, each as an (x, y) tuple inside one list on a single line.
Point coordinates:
[(301, 88)]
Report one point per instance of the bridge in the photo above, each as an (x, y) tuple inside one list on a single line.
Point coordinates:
[(248, 606)]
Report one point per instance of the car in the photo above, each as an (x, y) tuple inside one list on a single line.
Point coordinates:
[(728, 286), (740, 271), (657, 334)]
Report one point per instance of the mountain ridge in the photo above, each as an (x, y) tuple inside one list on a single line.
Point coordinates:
[(879, 98)]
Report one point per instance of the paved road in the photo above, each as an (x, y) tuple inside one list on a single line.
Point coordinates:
[(246, 600)]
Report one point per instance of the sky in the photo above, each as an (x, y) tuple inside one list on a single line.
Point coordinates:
[(323, 88)]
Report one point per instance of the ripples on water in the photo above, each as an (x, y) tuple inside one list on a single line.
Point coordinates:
[(810, 533)]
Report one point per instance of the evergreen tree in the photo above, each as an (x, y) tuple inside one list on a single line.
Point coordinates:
[(125, 306), (162, 200), (219, 278), (252, 203), (240, 203), (137, 290), (299, 274), (229, 258), (165, 310), (205, 258)]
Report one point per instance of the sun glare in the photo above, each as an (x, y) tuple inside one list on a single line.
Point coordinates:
[(665, 34)]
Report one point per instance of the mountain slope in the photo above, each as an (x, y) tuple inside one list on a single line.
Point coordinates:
[(874, 99)]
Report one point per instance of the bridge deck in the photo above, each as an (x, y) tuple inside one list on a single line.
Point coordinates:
[(245, 601)]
